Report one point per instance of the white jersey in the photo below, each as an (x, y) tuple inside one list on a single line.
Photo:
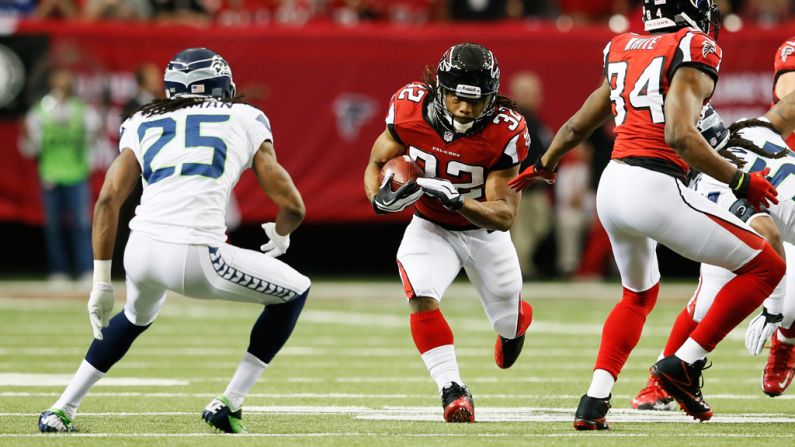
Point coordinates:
[(781, 170), (190, 160)]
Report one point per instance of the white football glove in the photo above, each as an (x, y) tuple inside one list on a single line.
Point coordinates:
[(100, 306), (760, 329), (388, 201), (278, 244), (443, 190)]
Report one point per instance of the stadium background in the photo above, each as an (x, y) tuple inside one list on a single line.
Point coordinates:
[(325, 80)]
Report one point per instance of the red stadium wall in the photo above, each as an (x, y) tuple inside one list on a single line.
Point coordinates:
[(326, 89)]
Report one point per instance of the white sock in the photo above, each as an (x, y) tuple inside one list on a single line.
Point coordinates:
[(601, 384), (85, 377), (783, 339), (661, 356), (442, 365), (691, 352), (247, 374)]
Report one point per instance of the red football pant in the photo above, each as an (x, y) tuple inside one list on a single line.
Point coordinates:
[(623, 327)]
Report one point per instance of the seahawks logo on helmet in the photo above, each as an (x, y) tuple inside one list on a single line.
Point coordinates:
[(199, 71)]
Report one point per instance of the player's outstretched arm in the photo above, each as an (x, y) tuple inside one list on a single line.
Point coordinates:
[(279, 187), (592, 114), (782, 115), (384, 149), (498, 211), (120, 180)]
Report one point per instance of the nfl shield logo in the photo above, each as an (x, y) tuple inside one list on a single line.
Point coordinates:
[(448, 136)]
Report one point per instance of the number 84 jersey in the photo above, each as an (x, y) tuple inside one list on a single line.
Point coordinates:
[(639, 69), (464, 159), (190, 160)]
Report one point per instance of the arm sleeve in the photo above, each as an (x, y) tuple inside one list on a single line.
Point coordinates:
[(128, 137), (515, 151), (698, 51), (785, 57), (391, 118), (258, 132)]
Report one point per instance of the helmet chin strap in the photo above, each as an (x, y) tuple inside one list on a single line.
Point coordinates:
[(462, 127)]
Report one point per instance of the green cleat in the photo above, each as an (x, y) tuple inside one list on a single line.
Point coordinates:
[(55, 420), (218, 415)]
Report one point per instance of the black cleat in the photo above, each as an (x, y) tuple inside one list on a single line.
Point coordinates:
[(457, 403), (683, 382), (507, 350), (591, 413)]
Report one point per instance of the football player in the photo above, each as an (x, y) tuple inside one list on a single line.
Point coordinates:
[(755, 146), (655, 86), (470, 141), (189, 150)]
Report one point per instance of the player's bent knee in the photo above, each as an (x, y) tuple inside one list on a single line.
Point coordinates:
[(140, 319), (423, 304)]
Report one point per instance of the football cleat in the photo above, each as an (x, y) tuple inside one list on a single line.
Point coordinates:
[(55, 420), (779, 369), (683, 382), (653, 397), (457, 403), (218, 415), (591, 413), (507, 350)]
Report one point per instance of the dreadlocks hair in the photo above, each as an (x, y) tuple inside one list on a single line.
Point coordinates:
[(735, 140), (428, 79), (160, 106)]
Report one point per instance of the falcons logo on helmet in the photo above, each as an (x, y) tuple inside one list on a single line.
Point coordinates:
[(785, 53)]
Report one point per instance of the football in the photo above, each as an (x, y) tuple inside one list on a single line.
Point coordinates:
[(405, 170)]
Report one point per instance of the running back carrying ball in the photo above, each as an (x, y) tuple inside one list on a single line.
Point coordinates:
[(404, 169)]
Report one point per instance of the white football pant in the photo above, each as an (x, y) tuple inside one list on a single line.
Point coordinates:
[(639, 207), (430, 258), (197, 271)]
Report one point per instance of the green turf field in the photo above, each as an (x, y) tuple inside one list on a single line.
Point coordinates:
[(350, 375)]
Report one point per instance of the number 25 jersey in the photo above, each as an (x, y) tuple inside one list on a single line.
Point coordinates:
[(465, 160), (639, 69), (190, 160)]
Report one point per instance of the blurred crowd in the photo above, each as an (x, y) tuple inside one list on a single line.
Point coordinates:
[(351, 12)]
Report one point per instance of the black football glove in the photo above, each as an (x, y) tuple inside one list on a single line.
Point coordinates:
[(388, 201)]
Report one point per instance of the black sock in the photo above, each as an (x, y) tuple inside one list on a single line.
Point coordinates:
[(117, 339), (273, 328)]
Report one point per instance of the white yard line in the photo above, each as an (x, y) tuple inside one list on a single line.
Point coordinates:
[(616, 397), (580, 435), (491, 414)]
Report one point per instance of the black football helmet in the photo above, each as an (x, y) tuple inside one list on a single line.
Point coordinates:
[(470, 71), (674, 14), (199, 72), (712, 128)]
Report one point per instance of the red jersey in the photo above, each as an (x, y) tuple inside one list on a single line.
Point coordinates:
[(639, 69), (465, 160), (784, 62)]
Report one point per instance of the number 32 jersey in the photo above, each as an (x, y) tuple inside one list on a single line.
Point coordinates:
[(639, 69), (465, 160), (190, 160)]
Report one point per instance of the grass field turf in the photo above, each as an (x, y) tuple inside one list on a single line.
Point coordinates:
[(351, 376)]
